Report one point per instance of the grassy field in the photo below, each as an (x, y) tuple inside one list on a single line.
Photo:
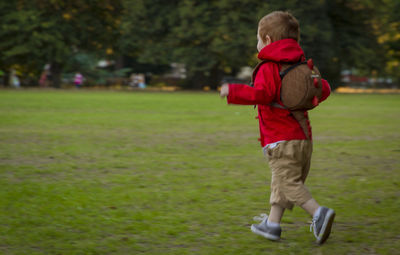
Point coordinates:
[(182, 173)]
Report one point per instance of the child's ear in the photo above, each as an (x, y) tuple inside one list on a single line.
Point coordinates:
[(268, 39)]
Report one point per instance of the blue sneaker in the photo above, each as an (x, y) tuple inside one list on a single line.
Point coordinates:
[(322, 224), (262, 229)]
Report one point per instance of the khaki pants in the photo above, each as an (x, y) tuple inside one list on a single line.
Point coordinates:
[(289, 162)]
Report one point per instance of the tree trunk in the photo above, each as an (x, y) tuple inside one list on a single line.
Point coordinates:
[(6, 79), (215, 77), (56, 74), (119, 63), (198, 80)]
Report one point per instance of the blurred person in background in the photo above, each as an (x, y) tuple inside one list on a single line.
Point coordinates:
[(14, 80), (78, 80)]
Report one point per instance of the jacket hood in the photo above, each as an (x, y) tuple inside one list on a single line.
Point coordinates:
[(285, 50)]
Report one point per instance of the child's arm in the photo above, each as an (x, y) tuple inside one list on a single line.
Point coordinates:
[(263, 92), (246, 95)]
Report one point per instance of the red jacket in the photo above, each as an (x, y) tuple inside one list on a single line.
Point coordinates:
[(275, 124)]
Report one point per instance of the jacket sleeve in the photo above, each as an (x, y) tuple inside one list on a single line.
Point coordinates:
[(326, 90), (263, 92)]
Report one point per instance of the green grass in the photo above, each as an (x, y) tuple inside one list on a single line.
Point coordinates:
[(182, 173)]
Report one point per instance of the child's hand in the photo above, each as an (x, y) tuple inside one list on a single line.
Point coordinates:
[(224, 90)]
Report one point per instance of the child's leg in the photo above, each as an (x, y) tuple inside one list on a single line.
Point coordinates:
[(276, 213), (289, 163), (311, 206)]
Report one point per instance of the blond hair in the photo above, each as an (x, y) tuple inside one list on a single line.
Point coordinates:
[(279, 25)]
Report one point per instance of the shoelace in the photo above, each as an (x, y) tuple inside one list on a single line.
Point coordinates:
[(261, 217), (313, 223)]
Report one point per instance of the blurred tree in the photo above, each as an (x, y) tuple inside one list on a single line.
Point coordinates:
[(209, 37), (387, 27), (354, 37), (35, 32), (143, 25), (213, 38)]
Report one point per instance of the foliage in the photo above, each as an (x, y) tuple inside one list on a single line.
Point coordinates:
[(212, 38), (217, 37), (51, 31), (209, 37), (388, 29)]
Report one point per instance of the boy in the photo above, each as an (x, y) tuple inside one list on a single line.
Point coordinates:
[(284, 142)]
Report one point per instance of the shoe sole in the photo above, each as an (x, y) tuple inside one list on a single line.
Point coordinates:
[(326, 227), (266, 235)]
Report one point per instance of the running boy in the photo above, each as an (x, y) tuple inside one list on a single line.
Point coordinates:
[(283, 140)]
